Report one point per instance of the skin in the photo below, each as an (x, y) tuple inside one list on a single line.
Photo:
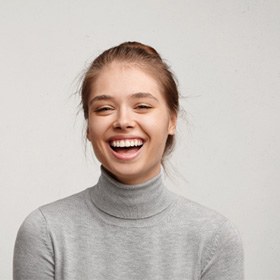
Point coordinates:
[(126, 103)]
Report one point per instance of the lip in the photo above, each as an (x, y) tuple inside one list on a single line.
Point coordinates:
[(130, 156), (125, 137), (125, 156)]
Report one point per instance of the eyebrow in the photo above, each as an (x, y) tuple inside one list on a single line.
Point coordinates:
[(134, 95), (143, 95), (100, 97)]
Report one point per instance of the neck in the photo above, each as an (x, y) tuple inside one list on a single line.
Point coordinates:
[(131, 201)]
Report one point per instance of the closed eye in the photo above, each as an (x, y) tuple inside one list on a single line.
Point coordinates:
[(103, 109), (143, 107)]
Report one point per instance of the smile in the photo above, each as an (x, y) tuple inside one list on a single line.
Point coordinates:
[(126, 143), (126, 149)]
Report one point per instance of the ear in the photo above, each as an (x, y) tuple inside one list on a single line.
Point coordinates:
[(172, 124), (88, 135)]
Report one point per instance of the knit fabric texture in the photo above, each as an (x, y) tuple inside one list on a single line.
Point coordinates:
[(117, 231)]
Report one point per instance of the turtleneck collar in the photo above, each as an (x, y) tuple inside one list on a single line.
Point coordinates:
[(131, 201)]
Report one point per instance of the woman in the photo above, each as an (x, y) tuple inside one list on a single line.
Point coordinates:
[(128, 226)]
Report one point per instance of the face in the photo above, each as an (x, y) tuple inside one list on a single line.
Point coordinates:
[(129, 123)]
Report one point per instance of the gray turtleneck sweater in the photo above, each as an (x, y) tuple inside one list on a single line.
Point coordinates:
[(115, 231)]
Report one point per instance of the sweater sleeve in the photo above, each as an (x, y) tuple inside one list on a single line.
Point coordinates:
[(33, 252), (224, 259)]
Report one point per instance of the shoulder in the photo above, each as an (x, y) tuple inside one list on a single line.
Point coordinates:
[(33, 226), (218, 238), (197, 214), (205, 223), (66, 206), (33, 244), (55, 214)]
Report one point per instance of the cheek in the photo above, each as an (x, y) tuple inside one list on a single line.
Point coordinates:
[(95, 130), (158, 127), (95, 136)]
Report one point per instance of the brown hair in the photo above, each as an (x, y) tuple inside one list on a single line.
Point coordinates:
[(144, 57)]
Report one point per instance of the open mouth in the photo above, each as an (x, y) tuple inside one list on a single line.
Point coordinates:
[(126, 146)]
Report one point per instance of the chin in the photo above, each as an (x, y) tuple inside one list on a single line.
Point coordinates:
[(132, 174)]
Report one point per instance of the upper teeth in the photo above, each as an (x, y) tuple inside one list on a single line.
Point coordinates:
[(126, 143)]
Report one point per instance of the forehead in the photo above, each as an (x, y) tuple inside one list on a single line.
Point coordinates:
[(125, 78)]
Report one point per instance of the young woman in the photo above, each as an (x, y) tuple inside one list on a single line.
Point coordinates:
[(129, 225)]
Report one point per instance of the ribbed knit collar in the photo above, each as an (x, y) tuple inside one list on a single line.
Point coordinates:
[(131, 201)]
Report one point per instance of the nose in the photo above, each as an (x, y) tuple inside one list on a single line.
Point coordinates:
[(124, 120)]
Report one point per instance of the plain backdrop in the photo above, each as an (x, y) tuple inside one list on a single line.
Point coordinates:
[(226, 56)]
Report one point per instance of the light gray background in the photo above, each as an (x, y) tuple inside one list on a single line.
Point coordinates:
[(226, 57)]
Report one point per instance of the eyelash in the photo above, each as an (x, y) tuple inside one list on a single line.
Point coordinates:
[(143, 106), (103, 109), (140, 107)]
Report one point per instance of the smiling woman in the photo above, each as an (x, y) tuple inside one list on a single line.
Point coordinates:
[(126, 103), (129, 225)]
